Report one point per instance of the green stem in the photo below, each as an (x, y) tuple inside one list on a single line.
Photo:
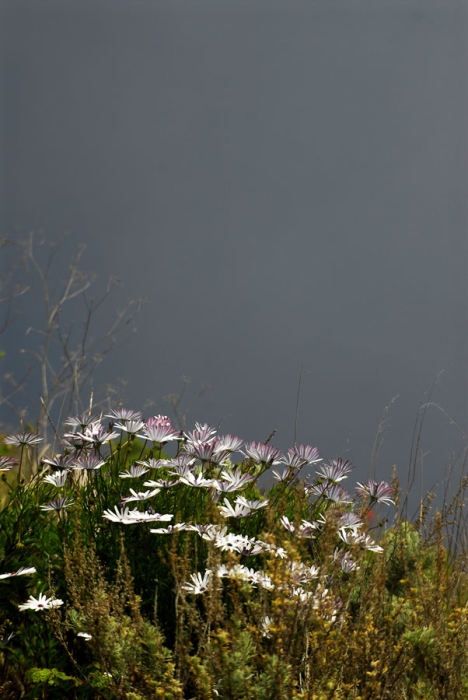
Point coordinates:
[(20, 464)]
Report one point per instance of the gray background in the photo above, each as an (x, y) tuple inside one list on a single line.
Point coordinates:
[(286, 181)]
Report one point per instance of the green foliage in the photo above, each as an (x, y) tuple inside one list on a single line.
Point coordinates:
[(51, 676)]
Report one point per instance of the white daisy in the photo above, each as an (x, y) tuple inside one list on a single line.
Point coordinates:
[(236, 511), (196, 480), (22, 571), (57, 504), (134, 471), (199, 583), (86, 636), (131, 517), (140, 495), (41, 603), (58, 479), (253, 505), (24, 439)]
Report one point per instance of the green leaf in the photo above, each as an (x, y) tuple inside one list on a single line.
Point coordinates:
[(51, 676)]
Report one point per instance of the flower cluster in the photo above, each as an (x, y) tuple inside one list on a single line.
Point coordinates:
[(204, 466)]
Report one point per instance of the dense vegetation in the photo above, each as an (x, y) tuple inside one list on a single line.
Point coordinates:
[(145, 562)]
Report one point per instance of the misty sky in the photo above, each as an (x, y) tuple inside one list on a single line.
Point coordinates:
[(287, 183)]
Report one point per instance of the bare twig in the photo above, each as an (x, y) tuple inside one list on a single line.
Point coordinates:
[(66, 358), (297, 405)]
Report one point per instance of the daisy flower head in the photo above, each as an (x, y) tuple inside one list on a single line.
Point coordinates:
[(302, 595), (132, 517), (260, 452), (86, 636), (279, 552), (23, 439), (57, 504), (22, 571), (368, 543), (74, 441), (159, 429), (208, 531), (352, 537), (300, 573), (377, 493), (90, 463), (238, 571), (58, 479), (152, 463), (182, 460), (6, 463), (232, 481), (132, 427), (41, 603), (307, 529), (140, 496), (348, 565), (349, 536), (134, 472), (301, 456), (199, 583), (293, 461), (96, 434), (330, 491), (149, 516), (196, 480), (220, 457), (230, 443), (202, 433), (263, 580), (282, 476), (336, 471), (284, 520), (239, 543), (161, 483), (309, 454), (265, 627), (181, 471), (59, 461), (180, 465), (253, 505), (206, 452), (123, 414), (119, 516), (337, 494), (341, 557), (228, 541), (350, 520), (82, 420), (233, 511)]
